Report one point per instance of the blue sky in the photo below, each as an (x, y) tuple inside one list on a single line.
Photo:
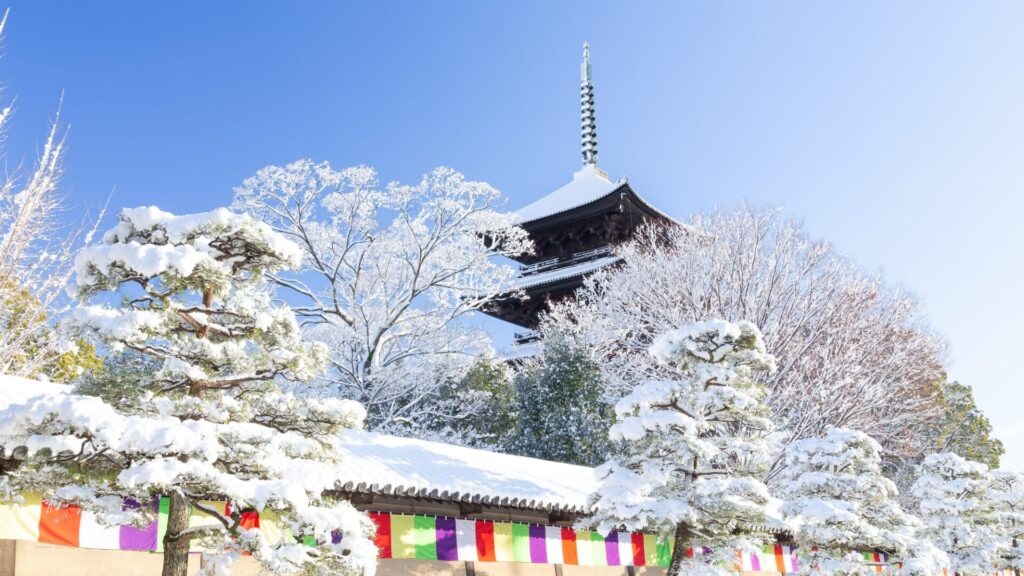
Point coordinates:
[(896, 130)]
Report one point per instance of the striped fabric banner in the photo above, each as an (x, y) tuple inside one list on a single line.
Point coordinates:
[(450, 539), (407, 536), (40, 521), (777, 558), (21, 521)]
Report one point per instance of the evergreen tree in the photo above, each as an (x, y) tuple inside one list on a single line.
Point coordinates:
[(957, 512), (474, 410), (65, 359), (694, 447), (559, 410), (840, 502), (1007, 495), (123, 378), (210, 422), (496, 418), (963, 428)]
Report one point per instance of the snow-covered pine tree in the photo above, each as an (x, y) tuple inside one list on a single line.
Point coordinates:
[(560, 414), (957, 513), (924, 559), (695, 446), (211, 422), (840, 502), (1007, 495)]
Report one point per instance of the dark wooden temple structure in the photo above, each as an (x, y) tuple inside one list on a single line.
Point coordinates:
[(574, 228)]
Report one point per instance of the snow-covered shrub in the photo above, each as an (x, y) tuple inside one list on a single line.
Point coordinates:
[(1007, 495), (957, 512), (839, 501)]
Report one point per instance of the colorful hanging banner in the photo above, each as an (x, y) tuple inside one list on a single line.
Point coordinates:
[(411, 536)]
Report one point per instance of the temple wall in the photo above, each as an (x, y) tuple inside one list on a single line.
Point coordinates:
[(23, 558)]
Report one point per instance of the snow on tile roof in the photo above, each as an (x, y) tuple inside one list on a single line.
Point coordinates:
[(381, 464), (564, 272), (384, 464), (17, 390), (586, 186), (378, 463)]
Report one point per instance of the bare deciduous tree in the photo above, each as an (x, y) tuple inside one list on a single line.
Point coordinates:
[(389, 273), (36, 251), (851, 351)]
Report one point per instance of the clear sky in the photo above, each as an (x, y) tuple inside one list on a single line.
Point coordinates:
[(894, 129)]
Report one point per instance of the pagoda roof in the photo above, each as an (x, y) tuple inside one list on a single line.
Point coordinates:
[(563, 272), (588, 185)]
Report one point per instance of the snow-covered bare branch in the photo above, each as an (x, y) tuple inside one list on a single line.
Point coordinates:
[(851, 351), (389, 274), (36, 250)]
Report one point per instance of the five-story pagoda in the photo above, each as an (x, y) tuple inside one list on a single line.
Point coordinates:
[(573, 228)]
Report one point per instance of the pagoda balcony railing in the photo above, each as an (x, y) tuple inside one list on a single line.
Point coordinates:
[(576, 258), (591, 254), (527, 337), (538, 267)]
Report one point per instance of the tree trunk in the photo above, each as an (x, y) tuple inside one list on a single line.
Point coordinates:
[(681, 541), (1016, 571), (175, 546)]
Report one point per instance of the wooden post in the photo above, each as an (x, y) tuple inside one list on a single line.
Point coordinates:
[(8, 550)]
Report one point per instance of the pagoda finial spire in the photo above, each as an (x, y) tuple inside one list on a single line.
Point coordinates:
[(587, 118)]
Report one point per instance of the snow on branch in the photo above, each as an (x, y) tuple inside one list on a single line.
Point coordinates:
[(693, 448), (390, 272), (850, 351), (209, 421)]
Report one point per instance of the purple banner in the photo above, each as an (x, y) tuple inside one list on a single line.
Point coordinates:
[(538, 545), (447, 547), (132, 538), (611, 548)]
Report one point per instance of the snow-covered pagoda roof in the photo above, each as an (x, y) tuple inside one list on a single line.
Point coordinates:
[(389, 465), (588, 185), (563, 273)]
